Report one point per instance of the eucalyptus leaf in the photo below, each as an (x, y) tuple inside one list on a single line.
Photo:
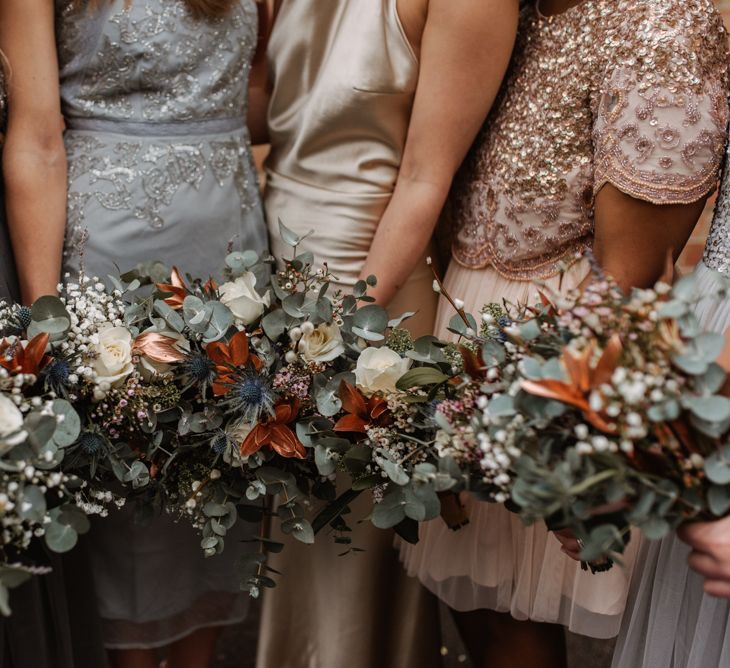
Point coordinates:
[(60, 537), (655, 528), (674, 308), (718, 499), (171, 317), (371, 320), (69, 428), (288, 236), (395, 472), (391, 510), (421, 376), (31, 504), (717, 468), (530, 330), (710, 408), (397, 322), (299, 528), (242, 261), (325, 464)]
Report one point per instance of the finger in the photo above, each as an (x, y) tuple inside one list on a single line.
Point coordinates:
[(570, 544), (573, 555), (695, 534), (718, 588), (706, 565)]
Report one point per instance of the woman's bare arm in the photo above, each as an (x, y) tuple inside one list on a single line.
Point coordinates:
[(465, 50), (258, 89), (633, 237), (34, 158)]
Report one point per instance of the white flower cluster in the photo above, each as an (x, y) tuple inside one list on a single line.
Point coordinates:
[(93, 310), (21, 491), (499, 445)]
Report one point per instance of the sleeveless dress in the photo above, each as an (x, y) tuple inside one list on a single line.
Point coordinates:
[(54, 622), (625, 92), (160, 168), (344, 78), (670, 622)]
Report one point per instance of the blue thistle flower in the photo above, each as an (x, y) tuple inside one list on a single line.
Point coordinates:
[(503, 322), (91, 443), (251, 395), (24, 317), (219, 443), (199, 369), (56, 375)]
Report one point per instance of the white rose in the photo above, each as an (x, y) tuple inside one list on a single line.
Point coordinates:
[(114, 356), (241, 298), (379, 369), (11, 419), (322, 344)]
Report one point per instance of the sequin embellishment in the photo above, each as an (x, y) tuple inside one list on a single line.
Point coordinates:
[(626, 92)]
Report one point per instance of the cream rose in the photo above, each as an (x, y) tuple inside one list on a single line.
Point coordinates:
[(379, 369), (11, 419), (114, 356), (321, 344), (241, 298)]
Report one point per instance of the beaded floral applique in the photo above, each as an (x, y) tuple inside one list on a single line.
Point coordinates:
[(626, 92)]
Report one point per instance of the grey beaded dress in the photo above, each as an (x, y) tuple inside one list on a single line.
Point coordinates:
[(669, 621), (160, 168)]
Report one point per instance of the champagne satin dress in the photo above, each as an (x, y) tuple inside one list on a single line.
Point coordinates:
[(344, 77)]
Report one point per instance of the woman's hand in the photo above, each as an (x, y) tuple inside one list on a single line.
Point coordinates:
[(710, 556), (569, 543)]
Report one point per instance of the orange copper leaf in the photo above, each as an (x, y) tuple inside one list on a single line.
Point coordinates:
[(176, 288), (578, 368), (378, 407), (353, 400), (276, 434), (283, 441), (29, 359), (608, 362), (158, 347), (351, 423), (473, 364), (557, 390)]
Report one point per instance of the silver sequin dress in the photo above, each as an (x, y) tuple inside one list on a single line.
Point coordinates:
[(669, 621), (160, 168)]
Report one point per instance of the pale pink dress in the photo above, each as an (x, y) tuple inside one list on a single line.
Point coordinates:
[(626, 92)]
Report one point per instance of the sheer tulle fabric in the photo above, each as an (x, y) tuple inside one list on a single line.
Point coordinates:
[(670, 622), (495, 562)]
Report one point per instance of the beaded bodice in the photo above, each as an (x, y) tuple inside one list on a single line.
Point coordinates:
[(149, 61), (627, 92)]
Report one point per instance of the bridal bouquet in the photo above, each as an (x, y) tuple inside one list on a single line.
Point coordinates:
[(596, 412), (40, 500)]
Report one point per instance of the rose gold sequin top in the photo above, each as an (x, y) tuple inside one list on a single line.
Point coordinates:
[(627, 92)]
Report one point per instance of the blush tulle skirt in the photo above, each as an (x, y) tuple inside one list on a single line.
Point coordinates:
[(495, 562)]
